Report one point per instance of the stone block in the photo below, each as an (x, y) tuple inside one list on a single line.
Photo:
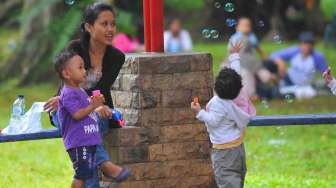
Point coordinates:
[(176, 98), (135, 136), (132, 136), (131, 65), (155, 82), (181, 182), (193, 80), (179, 151), (124, 155), (183, 133), (160, 65), (170, 169)]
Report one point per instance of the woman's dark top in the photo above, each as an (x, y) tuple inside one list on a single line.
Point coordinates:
[(112, 62)]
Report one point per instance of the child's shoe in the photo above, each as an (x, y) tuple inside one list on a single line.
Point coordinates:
[(123, 175)]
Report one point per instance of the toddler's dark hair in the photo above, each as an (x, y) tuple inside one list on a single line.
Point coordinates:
[(228, 84), (61, 60)]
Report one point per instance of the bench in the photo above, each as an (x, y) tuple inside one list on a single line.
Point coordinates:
[(273, 120)]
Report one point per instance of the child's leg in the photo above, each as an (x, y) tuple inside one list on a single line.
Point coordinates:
[(109, 169), (76, 183), (83, 164), (229, 168), (103, 160)]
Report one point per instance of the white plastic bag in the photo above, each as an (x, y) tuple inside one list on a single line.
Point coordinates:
[(29, 123)]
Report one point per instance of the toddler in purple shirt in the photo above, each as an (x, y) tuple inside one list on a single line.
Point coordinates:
[(77, 117)]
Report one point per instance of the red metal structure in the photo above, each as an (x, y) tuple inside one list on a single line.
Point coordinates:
[(153, 23)]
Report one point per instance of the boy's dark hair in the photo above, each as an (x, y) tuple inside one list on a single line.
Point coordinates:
[(228, 84), (307, 37), (61, 60)]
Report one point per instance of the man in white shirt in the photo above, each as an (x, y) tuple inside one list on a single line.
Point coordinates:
[(177, 39)]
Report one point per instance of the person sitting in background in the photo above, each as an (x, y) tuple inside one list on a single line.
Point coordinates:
[(126, 43), (304, 61), (177, 39), (256, 76)]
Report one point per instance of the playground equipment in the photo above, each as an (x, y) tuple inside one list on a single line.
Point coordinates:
[(274, 120)]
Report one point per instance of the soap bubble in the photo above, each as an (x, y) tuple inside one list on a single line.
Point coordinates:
[(69, 2), (229, 7), (206, 33), (277, 39), (264, 103), (231, 22), (261, 23), (289, 98), (214, 34), (217, 4)]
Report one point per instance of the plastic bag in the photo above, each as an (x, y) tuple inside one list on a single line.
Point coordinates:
[(30, 122)]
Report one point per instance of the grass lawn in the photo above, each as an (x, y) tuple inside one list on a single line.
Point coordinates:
[(278, 157)]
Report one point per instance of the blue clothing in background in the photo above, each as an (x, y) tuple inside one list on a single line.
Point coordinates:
[(301, 69)]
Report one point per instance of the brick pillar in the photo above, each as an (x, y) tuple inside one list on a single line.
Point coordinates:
[(163, 144)]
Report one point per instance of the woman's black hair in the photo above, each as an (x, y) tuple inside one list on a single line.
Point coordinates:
[(228, 84), (90, 15)]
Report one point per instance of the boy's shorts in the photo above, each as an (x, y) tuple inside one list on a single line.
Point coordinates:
[(229, 167), (83, 161)]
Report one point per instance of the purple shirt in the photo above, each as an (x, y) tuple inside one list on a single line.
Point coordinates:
[(76, 133)]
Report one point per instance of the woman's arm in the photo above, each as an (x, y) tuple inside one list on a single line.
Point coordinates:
[(52, 104)]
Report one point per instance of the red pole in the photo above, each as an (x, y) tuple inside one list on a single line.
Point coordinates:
[(156, 25), (147, 35)]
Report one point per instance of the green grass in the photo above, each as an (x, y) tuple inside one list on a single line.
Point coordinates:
[(277, 157)]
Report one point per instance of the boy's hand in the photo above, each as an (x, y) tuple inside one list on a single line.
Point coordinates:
[(235, 48), (327, 75), (104, 111), (196, 107), (97, 101)]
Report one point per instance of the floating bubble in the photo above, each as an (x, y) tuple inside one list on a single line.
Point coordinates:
[(277, 39), (206, 33), (229, 7), (214, 34), (69, 2), (264, 103), (289, 98), (261, 23), (217, 5), (231, 22)]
